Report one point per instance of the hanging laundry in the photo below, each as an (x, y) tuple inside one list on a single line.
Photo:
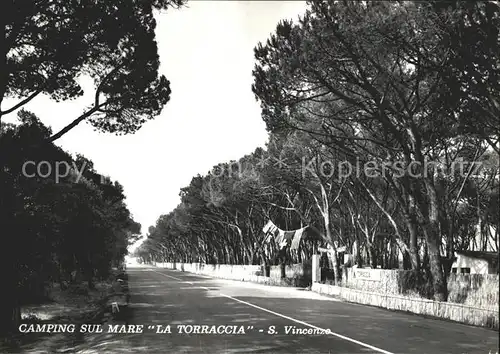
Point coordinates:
[(296, 239), (267, 226), (287, 236), (279, 237)]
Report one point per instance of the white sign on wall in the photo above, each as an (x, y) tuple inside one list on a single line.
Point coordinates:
[(367, 274)]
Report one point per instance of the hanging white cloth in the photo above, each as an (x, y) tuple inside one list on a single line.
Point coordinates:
[(296, 239)]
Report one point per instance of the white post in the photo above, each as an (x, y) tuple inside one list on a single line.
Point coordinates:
[(316, 272)]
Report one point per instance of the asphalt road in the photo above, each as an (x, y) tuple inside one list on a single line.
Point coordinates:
[(165, 297)]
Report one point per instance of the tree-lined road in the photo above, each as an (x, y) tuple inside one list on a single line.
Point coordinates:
[(165, 297)]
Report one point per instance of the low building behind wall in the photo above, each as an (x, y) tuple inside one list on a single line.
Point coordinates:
[(475, 262)]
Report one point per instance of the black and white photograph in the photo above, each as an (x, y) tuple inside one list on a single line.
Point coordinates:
[(228, 177)]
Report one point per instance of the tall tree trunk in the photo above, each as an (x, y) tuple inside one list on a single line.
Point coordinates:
[(433, 235), (359, 258), (414, 256), (478, 236), (373, 256), (227, 259), (336, 269)]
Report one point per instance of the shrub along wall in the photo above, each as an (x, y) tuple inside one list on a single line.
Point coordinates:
[(478, 290)]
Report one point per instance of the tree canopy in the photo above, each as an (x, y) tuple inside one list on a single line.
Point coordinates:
[(45, 47)]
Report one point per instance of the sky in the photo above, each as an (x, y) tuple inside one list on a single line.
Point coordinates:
[(206, 51)]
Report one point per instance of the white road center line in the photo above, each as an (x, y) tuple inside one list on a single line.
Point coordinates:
[(289, 318)]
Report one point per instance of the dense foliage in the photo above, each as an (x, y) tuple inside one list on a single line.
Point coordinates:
[(61, 220)]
